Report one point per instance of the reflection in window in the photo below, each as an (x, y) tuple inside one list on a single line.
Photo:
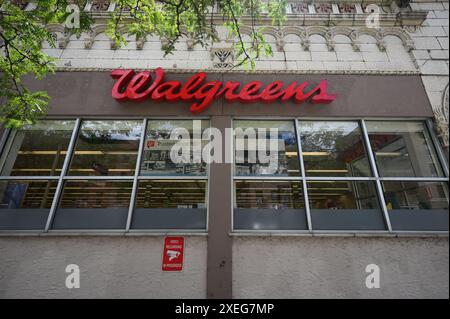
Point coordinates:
[(333, 149), (96, 194), (417, 206), (170, 204), (247, 160), (342, 195), (37, 150), (403, 149), (25, 204), (171, 194), (269, 194), (158, 144), (416, 195), (269, 205), (93, 204), (345, 205), (27, 194), (106, 148)]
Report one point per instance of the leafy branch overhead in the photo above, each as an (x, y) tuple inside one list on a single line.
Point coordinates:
[(23, 33)]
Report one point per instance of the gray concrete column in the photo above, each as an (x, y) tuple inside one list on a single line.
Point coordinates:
[(219, 274)]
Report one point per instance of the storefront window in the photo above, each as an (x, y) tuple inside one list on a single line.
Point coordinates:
[(333, 149), (25, 204), (170, 204), (345, 205), (340, 189), (280, 156), (93, 204), (37, 150), (343, 191), (403, 149), (106, 148), (417, 205), (269, 205), (161, 136)]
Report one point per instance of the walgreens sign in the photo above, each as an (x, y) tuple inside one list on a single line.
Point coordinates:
[(139, 87)]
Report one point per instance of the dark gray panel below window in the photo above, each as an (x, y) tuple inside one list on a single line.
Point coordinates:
[(23, 219), (269, 219), (347, 219), (90, 218), (419, 220), (169, 218)]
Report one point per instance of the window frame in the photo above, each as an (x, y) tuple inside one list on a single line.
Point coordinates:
[(8, 134), (375, 178), (135, 178)]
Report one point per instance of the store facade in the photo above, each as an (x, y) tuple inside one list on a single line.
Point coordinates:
[(367, 163), (361, 178)]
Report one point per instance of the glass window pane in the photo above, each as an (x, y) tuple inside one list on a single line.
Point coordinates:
[(269, 194), (417, 205), (170, 204), (403, 149), (24, 205), (248, 161), (156, 159), (37, 149), (93, 204), (333, 149), (269, 205), (345, 205), (106, 148)]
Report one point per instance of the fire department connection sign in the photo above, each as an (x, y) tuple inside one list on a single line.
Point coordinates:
[(173, 254)]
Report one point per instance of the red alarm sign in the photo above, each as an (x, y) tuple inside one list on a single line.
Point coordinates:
[(173, 254)]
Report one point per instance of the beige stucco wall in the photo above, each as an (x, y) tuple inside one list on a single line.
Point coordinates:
[(263, 267), (110, 267), (334, 267)]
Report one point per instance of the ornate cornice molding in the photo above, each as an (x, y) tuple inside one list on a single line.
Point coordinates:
[(441, 118), (188, 71), (304, 33), (306, 13)]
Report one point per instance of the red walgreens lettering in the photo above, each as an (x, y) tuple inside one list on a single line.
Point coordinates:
[(139, 87)]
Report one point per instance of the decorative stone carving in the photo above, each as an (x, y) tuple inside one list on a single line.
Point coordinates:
[(400, 33), (89, 41), (96, 30), (330, 41), (299, 8), (164, 43), (441, 120), (303, 32), (222, 58), (99, 6), (280, 44), (410, 28), (324, 8), (190, 43), (306, 44), (64, 40), (356, 44), (347, 8), (379, 36), (140, 43), (381, 45), (384, 9)]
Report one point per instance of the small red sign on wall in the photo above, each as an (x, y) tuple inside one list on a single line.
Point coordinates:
[(173, 254)]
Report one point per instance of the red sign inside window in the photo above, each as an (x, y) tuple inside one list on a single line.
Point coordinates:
[(173, 254)]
